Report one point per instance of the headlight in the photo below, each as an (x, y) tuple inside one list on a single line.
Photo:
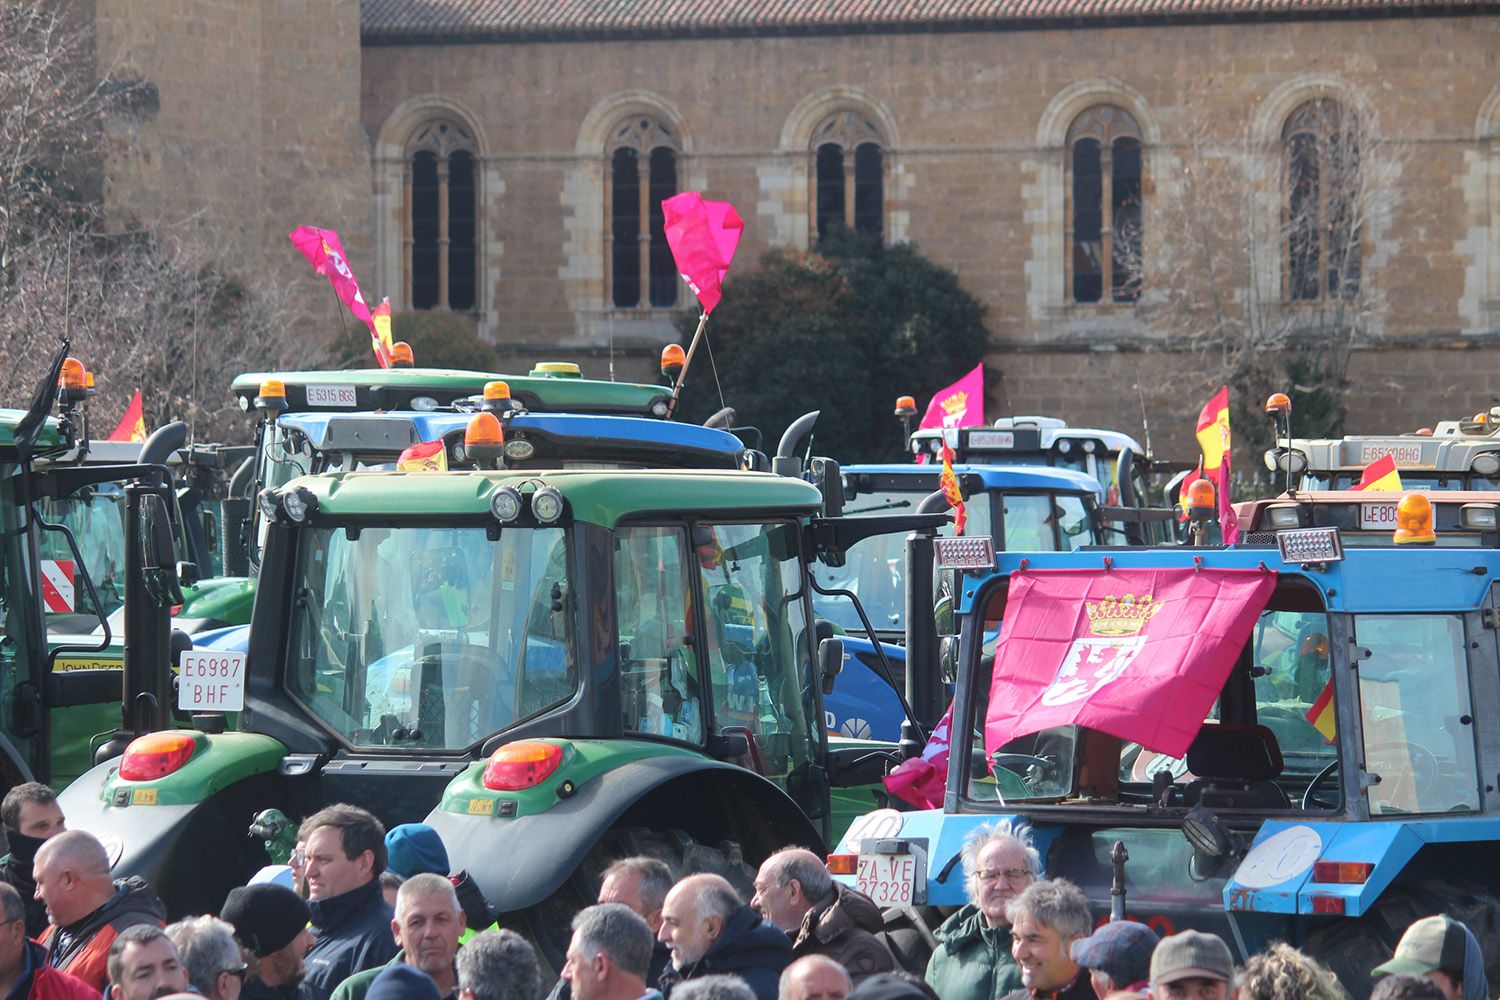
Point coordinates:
[(270, 505), (299, 504), (505, 504), (659, 408), (1064, 446), (935, 446), (547, 504), (519, 449), (1284, 515), (1486, 463)]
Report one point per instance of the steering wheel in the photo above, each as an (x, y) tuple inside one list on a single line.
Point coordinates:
[(1031, 769), (481, 696), (1423, 774), (1309, 798)]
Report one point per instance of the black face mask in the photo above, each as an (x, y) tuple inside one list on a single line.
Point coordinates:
[(23, 848)]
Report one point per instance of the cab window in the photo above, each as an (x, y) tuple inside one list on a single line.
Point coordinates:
[(1029, 522), (660, 693), (1416, 714), (756, 638)]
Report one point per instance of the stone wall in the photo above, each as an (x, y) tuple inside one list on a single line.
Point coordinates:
[(975, 124), (257, 132)]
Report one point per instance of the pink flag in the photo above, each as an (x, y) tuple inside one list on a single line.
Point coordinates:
[(703, 236), (921, 780), (959, 405), (325, 253), (1138, 653)]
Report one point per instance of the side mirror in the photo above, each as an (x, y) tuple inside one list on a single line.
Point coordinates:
[(831, 658), (948, 658), (830, 482), (942, 615), (157, 550), (187, 574)]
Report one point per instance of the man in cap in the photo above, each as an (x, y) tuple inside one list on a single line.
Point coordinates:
[(1443, 950), (1192, 966), (1118, 957), (271, 922)]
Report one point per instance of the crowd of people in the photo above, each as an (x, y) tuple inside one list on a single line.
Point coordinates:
[(361, 913)]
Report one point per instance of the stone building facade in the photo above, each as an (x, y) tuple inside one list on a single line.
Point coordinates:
[(1057, 154)]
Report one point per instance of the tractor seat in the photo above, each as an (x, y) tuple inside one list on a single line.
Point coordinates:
[(1236, 767)]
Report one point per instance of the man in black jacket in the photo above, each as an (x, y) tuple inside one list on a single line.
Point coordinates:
[(710, 931), (32, 817), (344, 857)]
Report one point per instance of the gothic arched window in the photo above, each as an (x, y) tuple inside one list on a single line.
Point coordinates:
[(442, 202), (642, 174), (848, 175), (1322, 226), (1104, 206)]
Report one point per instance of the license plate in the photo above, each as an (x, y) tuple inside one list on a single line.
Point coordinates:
[(888, 879), (331, 395), (1377, 516)]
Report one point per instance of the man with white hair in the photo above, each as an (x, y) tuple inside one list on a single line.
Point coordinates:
[(973, 956), (428, 924), (207, 949), (711, 931), (794, 891)]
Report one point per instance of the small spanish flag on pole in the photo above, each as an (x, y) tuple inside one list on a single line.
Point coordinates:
[(380, 332), (132, 426), (1320, 716), (948, 482), (1213, 438), (1381, 474)]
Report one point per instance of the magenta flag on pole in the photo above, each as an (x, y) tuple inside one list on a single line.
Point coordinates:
[(325, 253), (703, 236), (959, 405), (1137, 653), (921, 780)]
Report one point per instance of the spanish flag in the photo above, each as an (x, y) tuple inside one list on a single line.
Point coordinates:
[(948, 482), (132, 426), (380, 331), (429, 457), (1213, 438), (1380, 474), (1321, 713)]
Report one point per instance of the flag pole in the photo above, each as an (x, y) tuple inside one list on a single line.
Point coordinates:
[(686, 362)]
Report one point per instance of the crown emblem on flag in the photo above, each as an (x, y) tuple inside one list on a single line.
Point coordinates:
[(1125, 615), (955, 404)]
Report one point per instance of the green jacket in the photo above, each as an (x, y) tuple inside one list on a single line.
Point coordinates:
[(972, 961), (357, 985)]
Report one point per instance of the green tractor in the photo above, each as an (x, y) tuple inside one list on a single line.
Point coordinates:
[(62, 637), (553, 668)]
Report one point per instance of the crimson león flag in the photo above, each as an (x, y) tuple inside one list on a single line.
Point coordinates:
[(703, 236), (1137, 653)]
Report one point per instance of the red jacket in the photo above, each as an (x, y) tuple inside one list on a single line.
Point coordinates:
[(45, 983)]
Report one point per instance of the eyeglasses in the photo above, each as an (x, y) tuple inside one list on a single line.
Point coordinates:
[(298, 858), (239, 972), (1009, 874)]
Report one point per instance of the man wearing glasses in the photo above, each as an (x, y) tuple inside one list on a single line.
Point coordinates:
[(973, 957), (211, 955)]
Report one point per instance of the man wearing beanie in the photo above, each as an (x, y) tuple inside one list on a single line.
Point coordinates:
[(32, 817), (1192, 965), (414, 848), (402, 982), (271, 923), (344, 857)]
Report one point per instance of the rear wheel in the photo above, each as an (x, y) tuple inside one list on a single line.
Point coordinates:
[(1351, 948), (549, 923)]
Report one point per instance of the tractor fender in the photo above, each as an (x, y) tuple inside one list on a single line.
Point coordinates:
[(519, 862), (1268, 880)]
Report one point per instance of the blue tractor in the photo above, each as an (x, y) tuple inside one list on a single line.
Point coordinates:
[(1340, 785)]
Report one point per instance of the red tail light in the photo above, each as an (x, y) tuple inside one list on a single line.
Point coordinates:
[(843, 864), (1342, 872), (1328, 904), (522, 764), (156, 755)]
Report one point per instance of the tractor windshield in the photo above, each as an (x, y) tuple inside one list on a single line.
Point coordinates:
[(95, 515), (432, 637)]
